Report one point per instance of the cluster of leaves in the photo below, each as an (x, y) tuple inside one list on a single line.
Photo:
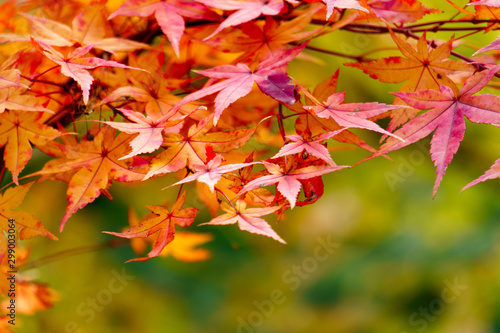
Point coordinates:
[(168, 87)]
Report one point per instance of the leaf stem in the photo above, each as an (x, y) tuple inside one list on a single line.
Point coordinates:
[(225, 196), (338, 54), (72, 252)]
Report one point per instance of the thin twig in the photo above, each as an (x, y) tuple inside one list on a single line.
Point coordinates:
[(72, 252)]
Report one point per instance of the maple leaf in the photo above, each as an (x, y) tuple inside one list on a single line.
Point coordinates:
[(11, 77), (309, 124), (240, 79), (48, 31), (17, 131), (400, 11), (88, 27), (32, 296), (92, 166), (184, 246), (15, 98), (288, 180), (76, 67), (245, 10), (191, 150), (149, 130), (211, 172), (485, 10), (7, 12), (349, 114), (313, 147), (491, 3), (169, 15), (420, 67), (25, 223), (495, 45), (267, 40), (492, 173), (159, 100), (446, 116), (162, 222), (345, 4), (247, 219)]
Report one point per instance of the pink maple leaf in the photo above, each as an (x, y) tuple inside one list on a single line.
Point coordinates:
[(350, 114), (446, 118), (313, 147), (491, 3), (149, 131), (247, 219), (76, 67), (240, 79), (495, 45), (492, 173), (346, 4), (211, 172), (288, 180), (245, 10), (169, 15)]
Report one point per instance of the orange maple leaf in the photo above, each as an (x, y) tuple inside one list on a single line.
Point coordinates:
[(15, 98), (421, 67), (191, 150), (17, 131), (184, 246), (90, 26), (162, 221), (25, 224), (92, 165), (263, 41)]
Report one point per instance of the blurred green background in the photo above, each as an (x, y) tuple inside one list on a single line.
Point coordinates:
[(401, 261)]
